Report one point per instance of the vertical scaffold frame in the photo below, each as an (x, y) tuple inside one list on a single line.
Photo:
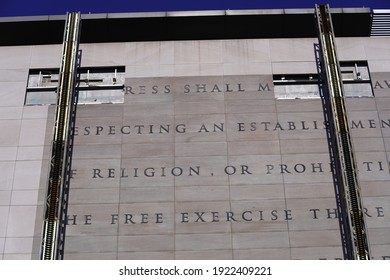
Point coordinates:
[(53, 233)]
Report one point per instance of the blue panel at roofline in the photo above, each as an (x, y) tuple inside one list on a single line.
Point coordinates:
[(59, 7)]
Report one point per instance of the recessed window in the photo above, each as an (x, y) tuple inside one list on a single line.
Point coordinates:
[(95, 85), (355, 76), (297, 86)]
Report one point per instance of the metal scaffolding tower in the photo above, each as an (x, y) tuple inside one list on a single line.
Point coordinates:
[(344, 153), (53, 234)]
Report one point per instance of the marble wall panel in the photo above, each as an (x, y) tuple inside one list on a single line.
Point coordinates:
[(163, 255), (374, 188), (364, 124), (32, 132), (246, 51), (380, 252), (27, 197), (167, 52), (97, 151), (377, 212), (300, 125), (202, 217), (360, 104), (238, 106), (11, 138), (27, 175), (13, 75), (372, 166), (5, 198), (17, 257), (186, 70), (351, 49), (6, 180), (260, 216), (254, 170), (384, 117), (259, 87), (148, 172), (11, 113), (210, 169), (186, 52), (93, 196), (98, 131), (312, 214), (293, 49), (268, 147), (30, 153), (257, 68), (378, 236), (305, 168), (202, 193), (91, 220), (383, 103), (304, 146), (2, 242), (298, 105), (199, 89), (12, 93), (317, 253), (382, 65), (148, 90), (260, 240), (381, 84), (15, 57), (146, 243), (262, 254), (134, 194), (148, 110), (312, 238), (257, 192), (95, 111), (90, 256), (138, 150), (91, 244), (206, 241), (18, 245), (196, 108), (204, 255), (46, 56), (368, 144), (200, 149), (142, 53), (296, 67), (145, 218), (309, 190), (8, 153), (21, 221), (251, 127), (211, 69), (103, 54), (4, 212), (378, 48), (210, 51), (95, 173)]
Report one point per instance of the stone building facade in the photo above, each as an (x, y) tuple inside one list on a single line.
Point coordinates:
[(204, 153)]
